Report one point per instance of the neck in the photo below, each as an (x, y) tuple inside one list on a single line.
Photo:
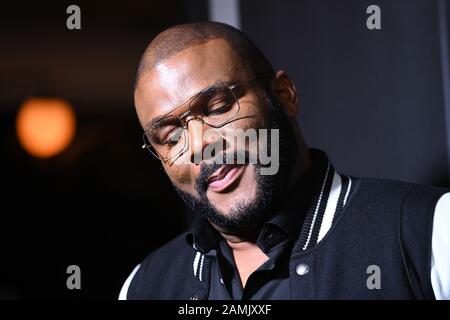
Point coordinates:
[(242, 241)]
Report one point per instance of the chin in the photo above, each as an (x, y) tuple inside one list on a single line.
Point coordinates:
[(231, 210)]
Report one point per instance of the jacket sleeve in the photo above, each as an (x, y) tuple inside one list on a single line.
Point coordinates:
[(415, 238)]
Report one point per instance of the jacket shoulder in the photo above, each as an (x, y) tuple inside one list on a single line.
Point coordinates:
[(402, 189), (164, 272), (417, 205)]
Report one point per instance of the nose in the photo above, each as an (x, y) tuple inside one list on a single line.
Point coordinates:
[(200, 137), (195, 136)]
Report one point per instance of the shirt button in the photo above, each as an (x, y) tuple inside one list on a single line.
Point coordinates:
[(221, 280), (302, 269)]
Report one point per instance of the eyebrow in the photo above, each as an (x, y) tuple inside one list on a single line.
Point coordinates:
[(152, 123), (155, 121)]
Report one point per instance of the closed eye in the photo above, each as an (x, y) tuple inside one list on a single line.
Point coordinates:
[(218, 108), (173, 136)]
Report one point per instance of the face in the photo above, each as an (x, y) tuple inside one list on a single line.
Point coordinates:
[(233, 197)]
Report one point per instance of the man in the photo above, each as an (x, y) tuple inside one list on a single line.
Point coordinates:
[(302, 231)]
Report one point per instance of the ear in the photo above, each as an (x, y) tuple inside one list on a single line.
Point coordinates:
[(286, 93)]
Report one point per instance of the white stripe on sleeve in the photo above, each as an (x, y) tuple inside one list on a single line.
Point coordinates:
[(124, 291)]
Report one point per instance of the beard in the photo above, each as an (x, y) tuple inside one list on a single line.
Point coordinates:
[(248, 215)]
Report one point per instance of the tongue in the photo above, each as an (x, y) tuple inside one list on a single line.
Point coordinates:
[(221, 179)]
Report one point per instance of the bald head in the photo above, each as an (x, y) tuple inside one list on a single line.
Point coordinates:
[(180, 37)]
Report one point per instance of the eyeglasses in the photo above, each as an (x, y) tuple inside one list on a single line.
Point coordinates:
[(215, 106)]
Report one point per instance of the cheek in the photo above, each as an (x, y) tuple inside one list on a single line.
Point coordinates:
[(256, 108), (256, 121), (181, 176)]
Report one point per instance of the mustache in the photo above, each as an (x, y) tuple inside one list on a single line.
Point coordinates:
[(208, 168)]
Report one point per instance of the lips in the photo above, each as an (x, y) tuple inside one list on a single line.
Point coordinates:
[(224, 177)]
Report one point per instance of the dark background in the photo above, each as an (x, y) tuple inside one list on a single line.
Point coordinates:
[(373, 100)]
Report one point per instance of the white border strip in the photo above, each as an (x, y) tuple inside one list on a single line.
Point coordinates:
[(195, 264), (330, 210), (348, 190), (201, 268), (311, 227)]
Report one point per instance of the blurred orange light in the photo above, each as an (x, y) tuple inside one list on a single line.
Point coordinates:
[(45, 126)]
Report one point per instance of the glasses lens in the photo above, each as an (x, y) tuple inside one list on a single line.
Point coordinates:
[(216, 105), (167, 139)]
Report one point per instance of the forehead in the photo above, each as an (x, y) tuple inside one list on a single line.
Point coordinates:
[(177, 78)]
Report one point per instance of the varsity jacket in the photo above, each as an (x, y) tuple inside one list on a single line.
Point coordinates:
[(362, 238)]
